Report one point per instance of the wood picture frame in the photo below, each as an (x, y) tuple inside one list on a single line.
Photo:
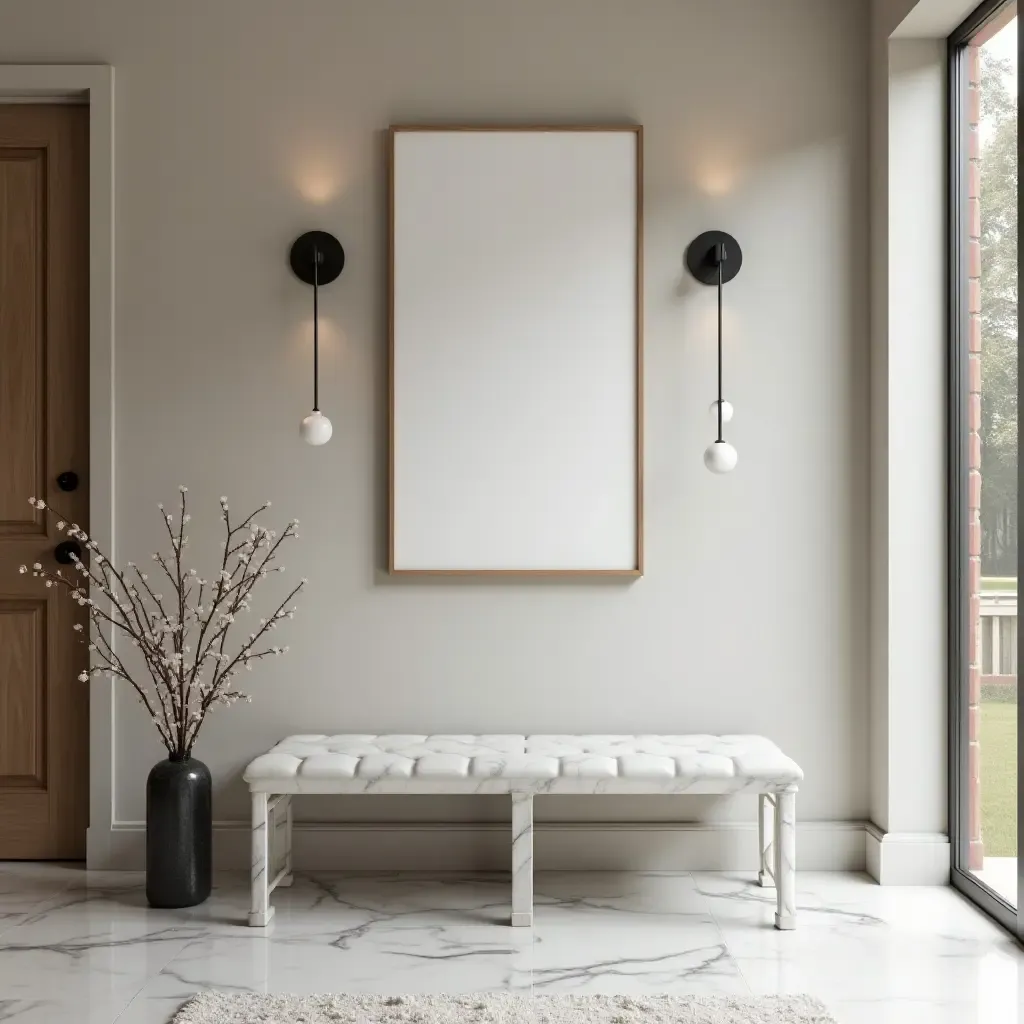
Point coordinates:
[(478, 215)]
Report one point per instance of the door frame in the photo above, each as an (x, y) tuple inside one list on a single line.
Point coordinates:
[(92, 84)]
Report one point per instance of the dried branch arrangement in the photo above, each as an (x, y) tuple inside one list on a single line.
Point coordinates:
[(183, 639)]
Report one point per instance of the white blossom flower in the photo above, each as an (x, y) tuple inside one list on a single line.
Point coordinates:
[(83, 677), (182, 488), (170, 663)]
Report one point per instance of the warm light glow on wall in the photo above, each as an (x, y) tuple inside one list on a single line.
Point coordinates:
[(319, 184), (717, 179), (715, 169), (332, 339), (318, 177)]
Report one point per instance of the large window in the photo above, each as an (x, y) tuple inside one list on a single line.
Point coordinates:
[(984, 457)]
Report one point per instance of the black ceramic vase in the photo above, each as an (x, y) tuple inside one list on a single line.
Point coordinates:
[(179, 833)]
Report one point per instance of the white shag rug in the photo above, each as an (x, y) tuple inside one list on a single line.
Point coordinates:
[(500, 1008)]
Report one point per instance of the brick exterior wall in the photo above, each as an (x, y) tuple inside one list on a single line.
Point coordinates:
[(977, 851)]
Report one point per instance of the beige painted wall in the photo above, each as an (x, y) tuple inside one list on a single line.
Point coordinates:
[(241, 123)]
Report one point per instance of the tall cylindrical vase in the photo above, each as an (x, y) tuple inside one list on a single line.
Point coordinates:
[(179, 833)]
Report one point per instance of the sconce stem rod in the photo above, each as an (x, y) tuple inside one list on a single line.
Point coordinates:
[(721, 260), (316, 330)]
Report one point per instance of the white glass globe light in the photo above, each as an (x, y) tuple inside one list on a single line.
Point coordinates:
[(726, 411), (316, 428), (720, 457)]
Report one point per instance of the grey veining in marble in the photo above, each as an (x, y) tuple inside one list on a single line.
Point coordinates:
[(785, 860), (87, 948), (508, 763), (260, 911), (522, 859)]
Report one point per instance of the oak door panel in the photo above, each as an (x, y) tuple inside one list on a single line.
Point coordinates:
[(44, 430)]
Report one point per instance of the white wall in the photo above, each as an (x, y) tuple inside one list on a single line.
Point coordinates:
[(240, 124), (908, 706), (917, 347)]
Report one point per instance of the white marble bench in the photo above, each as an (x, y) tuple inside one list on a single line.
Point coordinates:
[(522, 767)]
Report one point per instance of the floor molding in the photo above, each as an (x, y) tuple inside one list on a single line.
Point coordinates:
[(907, 858), (485, 846)]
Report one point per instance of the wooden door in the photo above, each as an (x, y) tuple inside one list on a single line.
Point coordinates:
[(44, 425)]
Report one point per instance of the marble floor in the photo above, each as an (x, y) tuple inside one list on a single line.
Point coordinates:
[(83, 947)]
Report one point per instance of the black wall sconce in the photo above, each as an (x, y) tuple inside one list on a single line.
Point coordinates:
[(714, 257), (316, 258)]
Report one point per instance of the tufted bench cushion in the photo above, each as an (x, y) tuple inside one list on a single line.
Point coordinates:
[(503, 763)]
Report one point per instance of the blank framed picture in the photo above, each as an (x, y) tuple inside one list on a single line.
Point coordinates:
[(516, 350)]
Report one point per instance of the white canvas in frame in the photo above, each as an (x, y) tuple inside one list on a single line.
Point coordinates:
[(515, 350)]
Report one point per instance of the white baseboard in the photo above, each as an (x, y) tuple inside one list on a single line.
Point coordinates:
[(907, 858), (558, 846)]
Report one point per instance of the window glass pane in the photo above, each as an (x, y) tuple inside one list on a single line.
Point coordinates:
[(991, 266)]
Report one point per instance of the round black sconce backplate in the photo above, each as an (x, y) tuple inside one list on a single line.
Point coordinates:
[(307, 247), (701, 261)]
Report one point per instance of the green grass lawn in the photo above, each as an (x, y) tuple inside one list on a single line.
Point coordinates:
[(1003, 583), (999, 778)]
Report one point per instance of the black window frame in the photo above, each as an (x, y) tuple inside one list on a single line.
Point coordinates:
[(958, 475)]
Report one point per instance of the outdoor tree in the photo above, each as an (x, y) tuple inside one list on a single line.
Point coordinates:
[(999, 318)]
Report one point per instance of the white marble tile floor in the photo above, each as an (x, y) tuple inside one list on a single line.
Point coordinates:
[(84, 947)]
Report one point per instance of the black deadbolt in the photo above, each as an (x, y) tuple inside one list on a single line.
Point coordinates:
[(68, 480), (65, 549)]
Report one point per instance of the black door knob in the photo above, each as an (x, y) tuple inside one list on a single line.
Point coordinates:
[(68, 480), (65, 549)]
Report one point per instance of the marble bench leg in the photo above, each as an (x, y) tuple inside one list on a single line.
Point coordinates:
[(286, 878), (765, 839), (260, 911), (522, 860), (785, 860)]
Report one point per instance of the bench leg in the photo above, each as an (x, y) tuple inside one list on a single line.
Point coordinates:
[(522, 860), (785, 860), (260, 911), (286, 878), (765, 839)]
